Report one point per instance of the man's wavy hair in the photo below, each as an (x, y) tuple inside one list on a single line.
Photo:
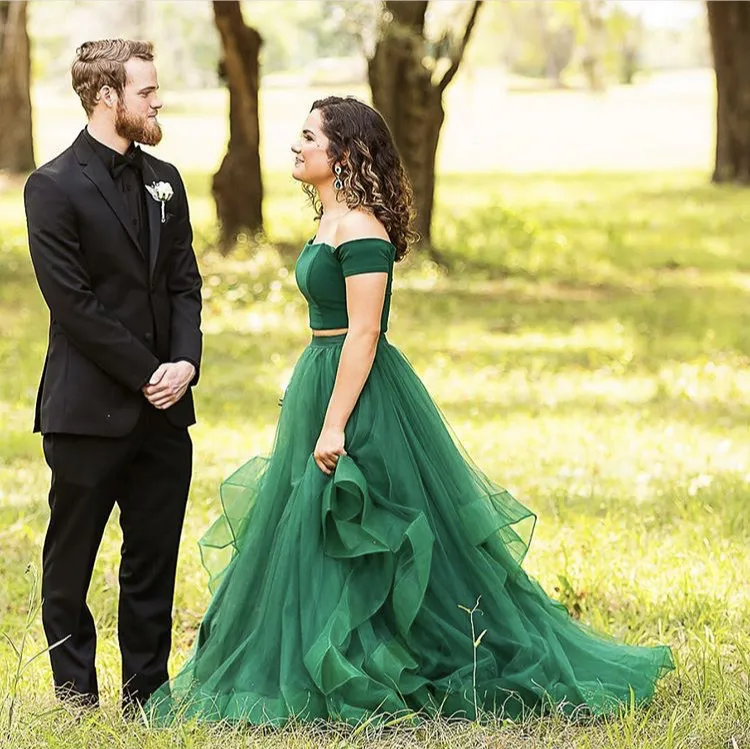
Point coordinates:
[(372, 175), (102, 63)]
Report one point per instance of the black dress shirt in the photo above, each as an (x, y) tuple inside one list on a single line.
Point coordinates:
[(127, 172)]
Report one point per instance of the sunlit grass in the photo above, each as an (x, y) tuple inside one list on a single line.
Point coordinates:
[(600, 371)]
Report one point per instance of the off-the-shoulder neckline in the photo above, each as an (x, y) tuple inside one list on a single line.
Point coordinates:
[(349, 241)]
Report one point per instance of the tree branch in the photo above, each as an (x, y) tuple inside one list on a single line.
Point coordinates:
[(459, 56), (409, 13), (230, 12)]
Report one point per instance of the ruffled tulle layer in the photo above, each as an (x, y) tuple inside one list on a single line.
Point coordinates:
[(338, 597)]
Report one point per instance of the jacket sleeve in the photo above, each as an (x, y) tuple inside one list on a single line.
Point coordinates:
[(184, 288), (64, 280)]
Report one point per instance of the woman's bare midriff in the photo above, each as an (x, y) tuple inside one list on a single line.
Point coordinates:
[(336, 331)]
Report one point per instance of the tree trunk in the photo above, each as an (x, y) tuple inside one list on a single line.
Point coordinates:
[(16, 135), (729, 26), (237, 186), (404, 92), (596, 32)]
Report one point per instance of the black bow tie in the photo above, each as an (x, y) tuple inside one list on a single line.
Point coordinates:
[(132, 158)]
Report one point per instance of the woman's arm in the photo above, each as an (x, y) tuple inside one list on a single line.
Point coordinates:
[(365, 296)]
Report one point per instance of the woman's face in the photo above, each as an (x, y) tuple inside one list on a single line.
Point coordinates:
[(311, 153)]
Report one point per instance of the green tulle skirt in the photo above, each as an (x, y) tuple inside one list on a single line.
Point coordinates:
[(339, 597)]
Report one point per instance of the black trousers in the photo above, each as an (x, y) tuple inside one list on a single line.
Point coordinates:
[(147, 473)]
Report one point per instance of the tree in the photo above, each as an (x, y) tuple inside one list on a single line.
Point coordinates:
[(626, 32), (593, 13), (238, 187), (729, 27), (558, 40), (408, 74), (16, 135)]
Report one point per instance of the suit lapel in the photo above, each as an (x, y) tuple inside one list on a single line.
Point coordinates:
[(154, 214), (95, 170)]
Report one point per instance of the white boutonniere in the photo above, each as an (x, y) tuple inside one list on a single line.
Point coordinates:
[(161, 192)]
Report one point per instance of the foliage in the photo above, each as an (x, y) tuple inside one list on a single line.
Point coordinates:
[(298, 35), (540, 38), (550, 39), (186, 42)]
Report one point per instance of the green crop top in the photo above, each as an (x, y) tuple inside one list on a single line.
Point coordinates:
[(321, 270)]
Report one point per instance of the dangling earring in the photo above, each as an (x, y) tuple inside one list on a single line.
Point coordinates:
[(337, 183)]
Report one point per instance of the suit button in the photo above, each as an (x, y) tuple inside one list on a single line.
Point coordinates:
[(109, 416), (148, 336)]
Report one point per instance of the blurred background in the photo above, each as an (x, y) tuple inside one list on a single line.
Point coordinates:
[(579, 306), (649, 61)]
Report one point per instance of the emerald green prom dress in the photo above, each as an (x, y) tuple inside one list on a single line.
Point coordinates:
[(338, 597)]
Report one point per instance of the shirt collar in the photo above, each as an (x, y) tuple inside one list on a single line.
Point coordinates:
[(104, 152)]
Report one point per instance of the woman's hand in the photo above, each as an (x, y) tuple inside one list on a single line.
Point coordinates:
[(329, 448)]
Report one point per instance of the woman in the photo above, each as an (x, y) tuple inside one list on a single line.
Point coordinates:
[(344, 559)]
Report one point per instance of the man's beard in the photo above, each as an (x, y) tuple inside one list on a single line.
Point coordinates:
[(134, 128)]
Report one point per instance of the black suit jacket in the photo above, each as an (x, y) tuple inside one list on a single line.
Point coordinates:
[(113, 319)]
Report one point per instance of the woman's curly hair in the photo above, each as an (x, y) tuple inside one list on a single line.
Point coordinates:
[(372, 176)]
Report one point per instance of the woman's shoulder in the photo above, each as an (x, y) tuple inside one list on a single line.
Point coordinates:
[(360, 224)]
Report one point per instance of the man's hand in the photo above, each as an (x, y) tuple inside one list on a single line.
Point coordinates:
[(169, 383)]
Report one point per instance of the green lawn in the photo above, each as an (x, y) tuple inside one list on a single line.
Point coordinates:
[(591, 351)]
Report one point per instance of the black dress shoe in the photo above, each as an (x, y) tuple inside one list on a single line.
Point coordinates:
[(133, 705), (70, 697)]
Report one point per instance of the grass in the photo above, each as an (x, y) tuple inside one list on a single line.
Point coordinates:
[(605, 383), (591, 352)]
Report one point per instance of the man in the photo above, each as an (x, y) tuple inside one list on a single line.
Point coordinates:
[(111, 244)]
